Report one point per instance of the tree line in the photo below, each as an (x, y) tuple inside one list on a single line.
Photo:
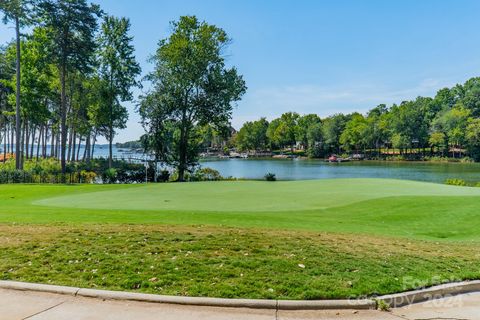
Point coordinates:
[(445, 125), (64, 82)]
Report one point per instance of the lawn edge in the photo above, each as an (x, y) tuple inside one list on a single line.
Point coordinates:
[(392, 300)]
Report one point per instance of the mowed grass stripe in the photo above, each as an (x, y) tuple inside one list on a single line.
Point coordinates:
[(252, 196), (394, 208)]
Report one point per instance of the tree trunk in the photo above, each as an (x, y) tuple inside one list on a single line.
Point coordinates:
[(63, 121), (18, 156), (22, 143), (86, 152), (74, 140), (40, 139), (69, 152), (33, 136), (13, 135), (78, 147), (5, 136), (25, 147), (110, 151), (93, 144), (183, 154), (45, 137)]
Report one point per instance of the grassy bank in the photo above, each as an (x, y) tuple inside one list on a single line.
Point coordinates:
[(225, 262), (297, 239)]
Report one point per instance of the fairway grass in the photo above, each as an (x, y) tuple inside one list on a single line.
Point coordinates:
[(228, 263), (396, 208), (312, 239)]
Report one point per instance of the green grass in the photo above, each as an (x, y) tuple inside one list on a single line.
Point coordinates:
[(355, 237), (226, 262), (415, 210)]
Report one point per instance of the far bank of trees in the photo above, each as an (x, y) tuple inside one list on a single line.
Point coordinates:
[(447, 125)]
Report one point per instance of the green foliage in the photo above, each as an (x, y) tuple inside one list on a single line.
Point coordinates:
[(353, 136), (191, 87), (333, 127), (281, 131), (206, 174), (253, 136), (164, 176), (456, 182), (382, 305), (129, 145), (87, 176), (118, 72), (109, 175)]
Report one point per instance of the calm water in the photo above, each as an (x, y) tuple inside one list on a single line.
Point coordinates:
[(101, 151), (295, 169)]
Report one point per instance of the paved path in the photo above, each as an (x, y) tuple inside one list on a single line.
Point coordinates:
[(18, 305)]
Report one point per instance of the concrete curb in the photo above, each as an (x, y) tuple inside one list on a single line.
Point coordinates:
[(393, 300), (435, 292), (27, 286), (195, 301), (361, 304)]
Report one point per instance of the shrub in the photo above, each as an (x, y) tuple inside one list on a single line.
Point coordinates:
[(437, 159), (456, 182), (109, 176), (164, 176), (174, 176), (87, 176), (3, 176), (382, 305), (270, 177), (206, 174)]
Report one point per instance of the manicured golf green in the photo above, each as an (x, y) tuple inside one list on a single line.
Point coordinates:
[(368, 206), (252, 196), (245, 239)]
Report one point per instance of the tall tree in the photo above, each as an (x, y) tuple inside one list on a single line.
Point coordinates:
[(353, 137), (282, 131), (333, 127), (71, 25), (192, 85), (304, 127), (18, 11), (253, 135), (118, 70)]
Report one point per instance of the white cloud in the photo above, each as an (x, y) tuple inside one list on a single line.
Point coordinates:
[(271, 102)]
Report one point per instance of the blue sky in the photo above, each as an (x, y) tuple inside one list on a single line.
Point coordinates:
[(321, 56)]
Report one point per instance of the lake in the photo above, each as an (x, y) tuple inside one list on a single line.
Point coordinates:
[(301, 169)]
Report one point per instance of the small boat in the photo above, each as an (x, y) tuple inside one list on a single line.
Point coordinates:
[(335, 159)]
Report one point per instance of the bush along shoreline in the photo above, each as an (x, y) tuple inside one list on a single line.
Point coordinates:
[(461, 183), (97, 171)]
